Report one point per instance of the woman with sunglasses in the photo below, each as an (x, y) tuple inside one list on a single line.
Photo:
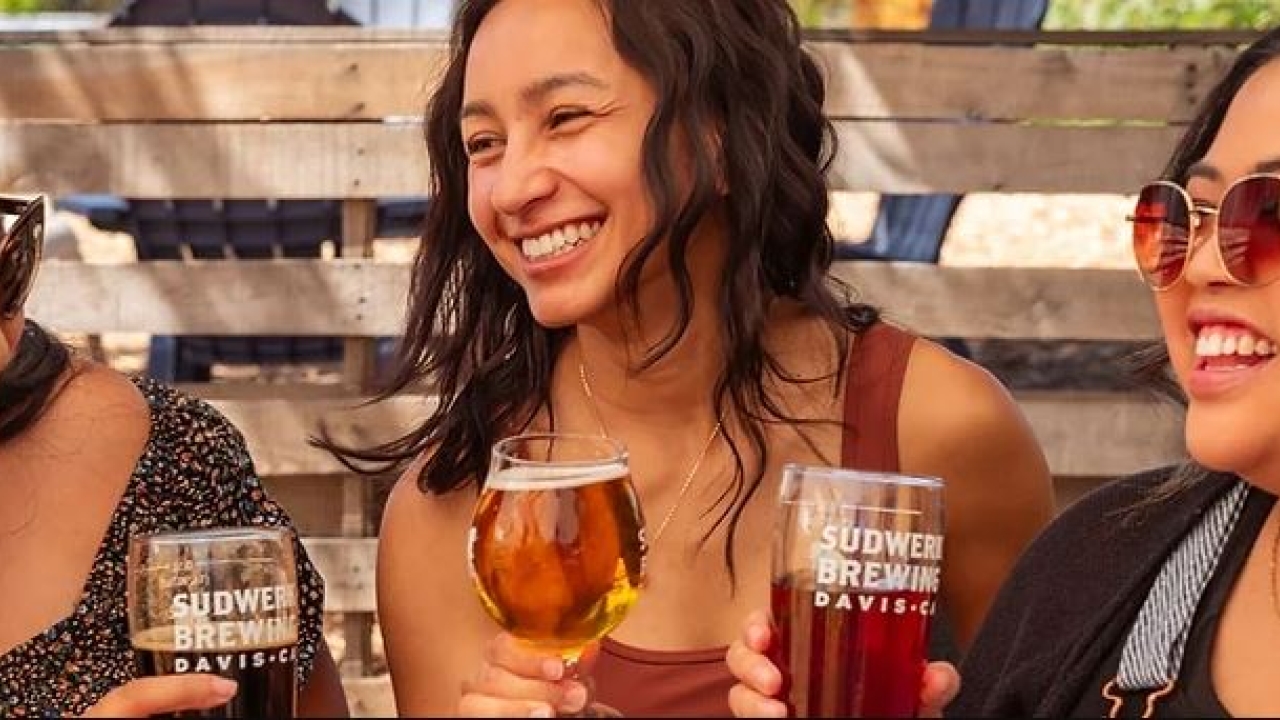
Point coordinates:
[(1160, 592), (89, 457)]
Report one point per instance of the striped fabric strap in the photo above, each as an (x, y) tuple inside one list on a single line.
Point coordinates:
[(1153, 651)]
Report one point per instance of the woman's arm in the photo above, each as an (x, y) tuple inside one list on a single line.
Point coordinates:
[(956, 421), (433, 626)]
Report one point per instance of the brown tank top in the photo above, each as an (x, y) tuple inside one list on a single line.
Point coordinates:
[(695, 683)]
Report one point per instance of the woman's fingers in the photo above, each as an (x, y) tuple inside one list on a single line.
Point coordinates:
[(517, 681), (505, 651), (747, 661), (758, 679), (757, 631), (745, 702), (144, 697), (939, 687)]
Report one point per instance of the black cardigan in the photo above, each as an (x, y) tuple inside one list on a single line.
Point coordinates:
[(1072, 597)]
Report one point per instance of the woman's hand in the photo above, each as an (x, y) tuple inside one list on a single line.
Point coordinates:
[(518, 681), (759, 680), (147, 696)]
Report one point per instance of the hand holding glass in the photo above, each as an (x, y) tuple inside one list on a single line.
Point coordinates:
[(221, 601), (557, 540), (857, 561)]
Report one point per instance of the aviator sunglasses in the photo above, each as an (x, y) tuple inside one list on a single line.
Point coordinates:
[(1167, 228), (20, 250)]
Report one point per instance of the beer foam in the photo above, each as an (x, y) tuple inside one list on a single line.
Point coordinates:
[(554, 477)]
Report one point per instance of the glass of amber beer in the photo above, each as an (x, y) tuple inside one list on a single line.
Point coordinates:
[(557, 545), (857, 560), (222, 601)]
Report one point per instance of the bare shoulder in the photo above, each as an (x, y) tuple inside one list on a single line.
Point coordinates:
[(433, 625), (97, 393), (97, 413), (946, 396), (958, 422), (414, 513)]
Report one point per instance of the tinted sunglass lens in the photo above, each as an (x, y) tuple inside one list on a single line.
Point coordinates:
[(1249, 230), (1161, 229)]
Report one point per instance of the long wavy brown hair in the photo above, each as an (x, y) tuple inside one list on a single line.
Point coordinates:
[(735, 66)]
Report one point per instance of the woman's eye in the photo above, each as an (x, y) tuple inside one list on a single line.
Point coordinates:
[(560, 117), (479, 145)]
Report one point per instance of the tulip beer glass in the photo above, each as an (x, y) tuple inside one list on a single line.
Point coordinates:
[(221, 601), (557, 546), (857, 560)]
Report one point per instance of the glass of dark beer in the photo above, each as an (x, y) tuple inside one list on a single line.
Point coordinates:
[(222, 601), (557, 547), (857, 560)]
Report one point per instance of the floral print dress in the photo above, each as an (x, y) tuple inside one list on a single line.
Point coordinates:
[(195, 472)]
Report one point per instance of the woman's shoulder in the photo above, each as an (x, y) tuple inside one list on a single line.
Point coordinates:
[(413, 510), (951, 407), (195, 456), (181, 418)]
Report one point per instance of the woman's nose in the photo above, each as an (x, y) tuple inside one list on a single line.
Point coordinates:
[(1204, 264), (523, 180)]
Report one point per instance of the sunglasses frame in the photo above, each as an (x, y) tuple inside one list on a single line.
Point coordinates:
[(30, 227), (1196, 216)]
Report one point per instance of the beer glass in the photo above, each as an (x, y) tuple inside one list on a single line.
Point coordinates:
[(857, 560), (557, 547), (222, 601)]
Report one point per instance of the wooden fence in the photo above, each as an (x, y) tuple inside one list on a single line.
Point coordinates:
[(319, 112)]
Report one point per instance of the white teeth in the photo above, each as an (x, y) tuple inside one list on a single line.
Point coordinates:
[(1222, 341), (558, 241)]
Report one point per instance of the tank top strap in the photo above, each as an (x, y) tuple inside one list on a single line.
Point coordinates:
[(873, 385)]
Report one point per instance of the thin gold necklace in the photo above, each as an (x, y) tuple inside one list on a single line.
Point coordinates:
[(688, 477)]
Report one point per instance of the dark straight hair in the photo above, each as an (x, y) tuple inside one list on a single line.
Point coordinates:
[(1151, 365), (30, 380), (735, 86)]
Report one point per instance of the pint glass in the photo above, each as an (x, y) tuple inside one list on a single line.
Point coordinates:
[(222, 601), (857, 560)]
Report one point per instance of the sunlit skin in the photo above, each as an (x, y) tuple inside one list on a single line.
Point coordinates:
[(554, 120), (556, 143), (1231, 422)]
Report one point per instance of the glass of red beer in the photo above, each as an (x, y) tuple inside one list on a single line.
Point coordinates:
[(857, 561)]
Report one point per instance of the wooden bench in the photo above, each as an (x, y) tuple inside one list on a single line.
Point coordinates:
[(310, 112)]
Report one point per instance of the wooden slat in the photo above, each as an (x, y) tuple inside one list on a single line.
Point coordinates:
[(300, 79), (370, 696), (1008, 303), (356, 298), (280, 160), (369, 160), (921, 157), (348, 567), (1091, 434), (205, 82), (278, 297), (277, 430), (904, 81), (1103, 434)]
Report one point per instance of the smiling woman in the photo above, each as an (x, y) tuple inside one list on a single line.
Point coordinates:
[(628, 237)]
